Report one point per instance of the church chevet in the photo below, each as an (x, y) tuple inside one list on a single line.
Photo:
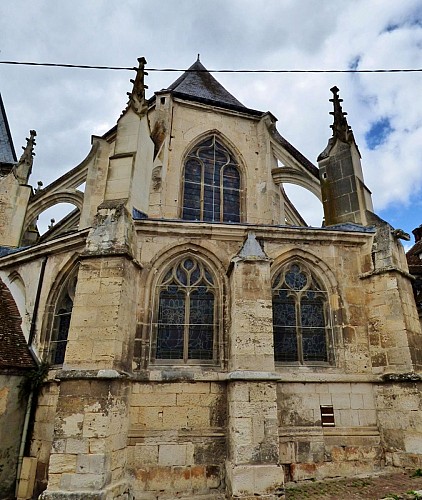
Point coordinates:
[(183, 333)]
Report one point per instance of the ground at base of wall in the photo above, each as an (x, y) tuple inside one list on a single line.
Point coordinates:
[(404, 485)]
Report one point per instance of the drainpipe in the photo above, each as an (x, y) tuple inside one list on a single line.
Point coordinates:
[(37, 361), (23, 440)]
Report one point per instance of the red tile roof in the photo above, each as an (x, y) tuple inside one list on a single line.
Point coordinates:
[(14, 351)]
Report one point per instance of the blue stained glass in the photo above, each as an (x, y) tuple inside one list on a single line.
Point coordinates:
[(171, 319), (313, 331), (195, 276), (299, 320), (295, 279), (285, 344), (284, 321), (201, 324), (185, 323), (205, 166), (188, 264), (192, 190), (208, 277), (181, 275)]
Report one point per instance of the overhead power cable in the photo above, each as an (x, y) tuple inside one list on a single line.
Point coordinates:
[(125, 68)]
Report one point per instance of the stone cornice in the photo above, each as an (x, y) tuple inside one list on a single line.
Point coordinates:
[(61, 244), (238, 232)]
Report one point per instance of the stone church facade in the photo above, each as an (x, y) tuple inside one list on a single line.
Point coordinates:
[(202, 341)]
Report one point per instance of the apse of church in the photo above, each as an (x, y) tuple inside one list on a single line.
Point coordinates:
[(203, 342)]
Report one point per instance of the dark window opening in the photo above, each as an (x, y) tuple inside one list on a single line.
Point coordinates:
[(212, 189), (327, 416), (61, 323), (186, 318), (300, 317)]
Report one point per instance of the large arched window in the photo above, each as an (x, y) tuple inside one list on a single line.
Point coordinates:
[(300, 317), (212, 187), (61, 320), (185, 320)]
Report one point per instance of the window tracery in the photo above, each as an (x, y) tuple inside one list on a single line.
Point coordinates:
[(185, 320), (212, 184), (300, 317)]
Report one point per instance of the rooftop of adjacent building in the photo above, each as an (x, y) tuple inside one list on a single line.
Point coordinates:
[(414, 255), (14, 351), (7, 149)]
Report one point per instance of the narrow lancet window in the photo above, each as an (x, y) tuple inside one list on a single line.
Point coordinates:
[(61, 322)]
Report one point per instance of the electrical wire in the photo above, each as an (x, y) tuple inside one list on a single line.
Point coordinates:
[(126, 68)]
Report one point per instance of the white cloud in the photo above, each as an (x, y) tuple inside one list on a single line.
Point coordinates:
[(66, 106)]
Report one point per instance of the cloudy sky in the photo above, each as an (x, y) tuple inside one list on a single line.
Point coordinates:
[(67, 106)]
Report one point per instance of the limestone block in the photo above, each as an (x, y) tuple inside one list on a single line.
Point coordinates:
[(172, 454), (78, 482), (413, 442), (154, 399), (95, 425), (341, 401), (356, 401), (94, 464), (76, 446), (63, 462), (254, 480), (287, 452)]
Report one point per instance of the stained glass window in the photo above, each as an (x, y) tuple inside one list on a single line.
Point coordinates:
[(186, 323), (211, 184), (300, 317), (61, 322)]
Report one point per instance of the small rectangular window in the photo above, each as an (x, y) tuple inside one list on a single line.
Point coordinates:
[(327, 416)]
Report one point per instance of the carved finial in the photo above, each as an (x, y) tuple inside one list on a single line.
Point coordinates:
[(23, 169), (137, 99), (53, 221), (39, 186), (340, 127), (198, 60)]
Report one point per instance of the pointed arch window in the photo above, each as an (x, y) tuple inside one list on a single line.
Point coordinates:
[(301, 322), (212, 184), (185, 320), (61, 320)]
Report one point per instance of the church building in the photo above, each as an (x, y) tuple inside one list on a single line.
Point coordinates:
[(184, 333)]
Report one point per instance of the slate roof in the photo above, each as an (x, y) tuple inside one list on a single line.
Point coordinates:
[(415, 266), (14, 351), (197, 84), (7, 150), (413, 259)]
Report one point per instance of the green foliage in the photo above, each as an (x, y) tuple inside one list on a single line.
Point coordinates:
[(33, 380), (417, 473)]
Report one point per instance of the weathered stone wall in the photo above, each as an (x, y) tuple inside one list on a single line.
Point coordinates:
[(12, 414), (42, 431), (399, 413), (177, 438), (309, 450), (13, 204), (89, 445)]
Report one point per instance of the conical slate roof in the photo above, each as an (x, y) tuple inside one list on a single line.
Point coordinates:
[(7, 150), (197, 83)]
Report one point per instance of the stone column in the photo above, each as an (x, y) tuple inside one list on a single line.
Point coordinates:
[(252, 467)]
